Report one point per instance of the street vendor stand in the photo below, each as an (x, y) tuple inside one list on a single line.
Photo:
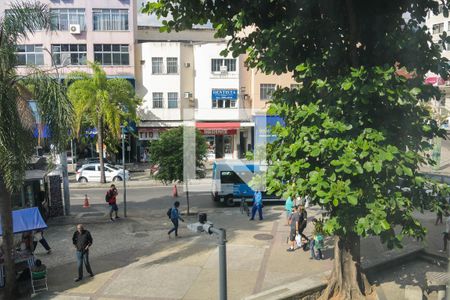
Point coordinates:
[(24, 220)]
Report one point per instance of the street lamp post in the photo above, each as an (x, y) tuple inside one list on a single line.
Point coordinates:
[(124, 174)]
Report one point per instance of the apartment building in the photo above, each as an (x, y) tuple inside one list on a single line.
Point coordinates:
[(436, 25), (82, 31)]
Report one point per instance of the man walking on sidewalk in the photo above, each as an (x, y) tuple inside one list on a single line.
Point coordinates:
[(110, 197), (82, 240), (174, 217), (257, 205)]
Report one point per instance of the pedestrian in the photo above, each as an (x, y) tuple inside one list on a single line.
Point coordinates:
[(82, 240), (110, 197), (446, 234), (293, 222), (174, 217), (303, 219), (38, 236), (288, 206), (257, 205), (316, 244)]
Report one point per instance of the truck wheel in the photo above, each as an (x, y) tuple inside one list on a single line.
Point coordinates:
[(229, 201)]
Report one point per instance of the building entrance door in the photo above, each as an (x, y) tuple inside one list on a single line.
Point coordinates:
[(219, 146)]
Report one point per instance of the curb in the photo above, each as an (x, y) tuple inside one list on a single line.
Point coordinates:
[(308, 288)]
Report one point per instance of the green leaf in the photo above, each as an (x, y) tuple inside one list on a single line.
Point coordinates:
[(368, 166), (377, 167), (385, 224), (353, 200), (335, 202), (346, 85)]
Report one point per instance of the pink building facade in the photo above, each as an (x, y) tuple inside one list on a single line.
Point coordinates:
[(83, 31)]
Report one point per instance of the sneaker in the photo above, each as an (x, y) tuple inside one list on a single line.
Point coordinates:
[(112, 220), (117, 217), (290, 250), (251, 219), (92, 275), (78, 279)]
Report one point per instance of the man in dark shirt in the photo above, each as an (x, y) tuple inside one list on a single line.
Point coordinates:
[(293, 222), (82, 240)]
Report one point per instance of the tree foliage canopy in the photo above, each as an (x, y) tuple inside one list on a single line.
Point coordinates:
[(94, 96), (167, 152), (356, 132)]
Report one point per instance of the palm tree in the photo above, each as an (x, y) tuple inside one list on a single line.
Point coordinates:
[(107, 102), (16, 119)]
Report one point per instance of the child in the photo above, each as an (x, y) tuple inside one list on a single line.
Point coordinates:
[(174, 217), (316, 244)]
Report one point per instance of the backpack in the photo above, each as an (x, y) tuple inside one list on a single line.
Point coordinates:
[(169, 213), (107, 197)]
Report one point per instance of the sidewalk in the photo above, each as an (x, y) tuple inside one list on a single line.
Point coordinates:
[(143, 181), (134, 259)]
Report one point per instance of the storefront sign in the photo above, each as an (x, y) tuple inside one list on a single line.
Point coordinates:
[(221, 94), (146, 134), (218, 131)]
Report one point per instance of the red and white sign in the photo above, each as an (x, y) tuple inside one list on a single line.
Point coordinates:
[(218, 128)]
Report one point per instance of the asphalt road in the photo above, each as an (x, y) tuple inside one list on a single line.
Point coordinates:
[(143, 200)]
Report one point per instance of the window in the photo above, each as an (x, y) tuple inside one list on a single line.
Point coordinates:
[(157, 65), (62, 18), (172, 99), (172, 65), (29, 55), (438, 28), (112, 54), (224, 103), (216, 63), (157, 100), (89, 168), (227, 177), (266, 90), (69, 54), (110, 19)]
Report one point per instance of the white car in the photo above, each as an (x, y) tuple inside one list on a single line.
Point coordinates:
[(91, 173)]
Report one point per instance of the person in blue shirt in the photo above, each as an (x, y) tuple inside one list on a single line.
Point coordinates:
[(174, 217), (257, 205), (288, 206)]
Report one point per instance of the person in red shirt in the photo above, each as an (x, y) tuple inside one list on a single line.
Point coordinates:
[(111, 195)]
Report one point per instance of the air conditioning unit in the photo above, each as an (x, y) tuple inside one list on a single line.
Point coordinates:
[(75, 28), (187, 95), (223, 69), (187, 65)]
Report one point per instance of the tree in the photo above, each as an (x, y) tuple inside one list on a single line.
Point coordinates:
[(167, 152), (16, 119), (107, 103), (356, 131)]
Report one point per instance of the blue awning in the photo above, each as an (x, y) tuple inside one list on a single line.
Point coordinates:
[(26, 220)]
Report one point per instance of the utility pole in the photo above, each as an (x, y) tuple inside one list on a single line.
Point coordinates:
[(124, 174)]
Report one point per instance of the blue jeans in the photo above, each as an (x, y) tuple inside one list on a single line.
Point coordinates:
[(83, 256), (259, 209), (175, 227), (313, 254)]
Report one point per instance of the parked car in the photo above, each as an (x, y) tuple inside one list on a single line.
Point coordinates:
[(91, 160), (91, 173)]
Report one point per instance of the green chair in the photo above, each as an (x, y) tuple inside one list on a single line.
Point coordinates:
[(39, 281)]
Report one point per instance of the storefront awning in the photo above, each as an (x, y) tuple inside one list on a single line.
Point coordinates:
[(26, 220), (218, 128)]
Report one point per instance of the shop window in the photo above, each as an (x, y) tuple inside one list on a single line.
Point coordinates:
[(228, 144)]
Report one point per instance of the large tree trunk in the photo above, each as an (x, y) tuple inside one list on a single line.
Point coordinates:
[(346, 280), (8, 240), (100, 149)]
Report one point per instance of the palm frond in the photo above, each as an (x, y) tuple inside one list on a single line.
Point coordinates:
[(23, 19)]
